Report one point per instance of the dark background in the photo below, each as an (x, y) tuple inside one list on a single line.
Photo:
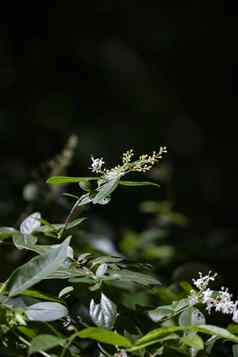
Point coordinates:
[(119, 75)]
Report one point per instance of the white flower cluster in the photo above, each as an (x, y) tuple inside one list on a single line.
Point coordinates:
[(220, 301), (143, 164)]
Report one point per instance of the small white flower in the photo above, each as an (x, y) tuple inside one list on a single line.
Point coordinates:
[(97, 164)]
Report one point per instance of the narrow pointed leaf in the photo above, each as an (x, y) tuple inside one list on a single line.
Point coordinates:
[(59, 180)]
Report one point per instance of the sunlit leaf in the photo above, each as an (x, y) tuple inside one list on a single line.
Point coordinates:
[(103, 314), (46, 311)]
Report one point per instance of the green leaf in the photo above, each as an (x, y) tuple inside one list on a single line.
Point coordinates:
[(191, 316), (24, 241), (138, 183), (37, 269), (29, 332), (233, 328), (103, 314), (215, 331), (134, 277), (235, 350), (45, 343), (207, 329), (65, 291), (46, 311), (161, 313), (38, 295), (193, 341), (105, 190), (7, 232), (59, 180), (31, 223), (101, 270), (105, 336), (158, 333)]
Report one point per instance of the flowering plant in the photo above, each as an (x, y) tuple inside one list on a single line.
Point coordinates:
[(103, 305)]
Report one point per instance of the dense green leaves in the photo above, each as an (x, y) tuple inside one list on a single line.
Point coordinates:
[(105, 336), (37, 269)]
